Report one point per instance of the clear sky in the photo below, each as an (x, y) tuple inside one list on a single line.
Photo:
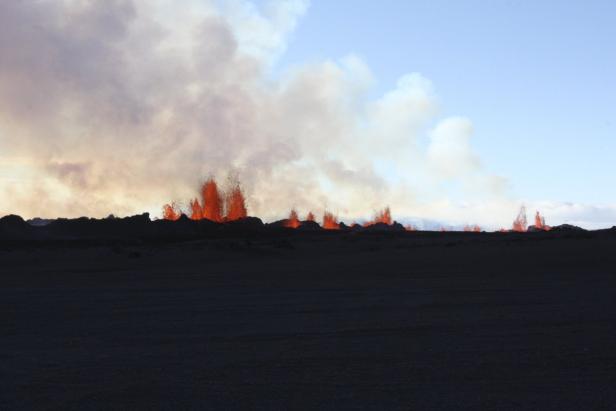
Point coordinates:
[(537, 78)]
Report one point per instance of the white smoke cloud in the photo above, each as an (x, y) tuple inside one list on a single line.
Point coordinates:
[(450, 152), (119, 106)]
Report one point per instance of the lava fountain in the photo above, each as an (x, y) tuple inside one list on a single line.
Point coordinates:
[(211, 206), (383, 216), (330, 221), (293, 220), (540, 223)]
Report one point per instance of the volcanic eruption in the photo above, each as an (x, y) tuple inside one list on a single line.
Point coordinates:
[(330, 221), (215, 205), (227, 205), (520, 224), (383, 216), (293, 220)]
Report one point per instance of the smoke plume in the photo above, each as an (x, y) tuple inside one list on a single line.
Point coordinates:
[(121, 106)]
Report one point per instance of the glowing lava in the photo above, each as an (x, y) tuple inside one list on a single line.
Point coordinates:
[(236, 204), (211, 205), (540, 223), (383, 216), (171, 212), (520, 224), (293, 220), (330, 221), (219, 206), (472, 228), (212, 201), (196, 210)]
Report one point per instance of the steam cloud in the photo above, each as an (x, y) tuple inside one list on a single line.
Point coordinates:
[(120, 106)]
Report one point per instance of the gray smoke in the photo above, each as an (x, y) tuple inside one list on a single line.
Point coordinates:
[(120, 106)]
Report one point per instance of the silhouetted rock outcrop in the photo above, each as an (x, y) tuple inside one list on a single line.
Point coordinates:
[(14, 227), (382, 227), (533, 229), (140, 228), (567, 227), (39, 222), (309, 226), (278, 224), (248, 223), (129, 227)]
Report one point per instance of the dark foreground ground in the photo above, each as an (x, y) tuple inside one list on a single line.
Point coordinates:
[(439, 321)]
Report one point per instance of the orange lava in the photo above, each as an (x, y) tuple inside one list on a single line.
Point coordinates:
[(236, 204), (220, 206), (211, 205), (330, 221), (212, 201), (171, 212), (293, 220), (383, 216), (520, 224), (540, 223), (196, 210), (472, 228)]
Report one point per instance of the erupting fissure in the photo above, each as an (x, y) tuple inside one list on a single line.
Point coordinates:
[(520, 224), (219, 206), (211, 206), (235, 204), (383, 216), (330, 221), (212, 202), (472, 228), (171, 212), (540, 223), (293, 220)]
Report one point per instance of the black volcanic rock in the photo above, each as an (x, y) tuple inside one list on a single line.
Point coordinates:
[(382, 227), (233, 323), (356, 227), (309, 226), (303, 225), (567, 227), (396, 226), (12, 220), (183, 228), (533, 229), (278, 224), (247, 224), (14, 227), (83, 227), (38, 222)]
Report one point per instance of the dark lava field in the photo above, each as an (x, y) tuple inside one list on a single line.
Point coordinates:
[(134, 314)]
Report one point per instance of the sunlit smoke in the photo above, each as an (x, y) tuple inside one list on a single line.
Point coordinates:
[(167, 91)]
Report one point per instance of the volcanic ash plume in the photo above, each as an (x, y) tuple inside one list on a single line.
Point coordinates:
[(120, 106)]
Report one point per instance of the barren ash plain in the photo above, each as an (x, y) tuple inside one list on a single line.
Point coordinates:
[(139, 314)]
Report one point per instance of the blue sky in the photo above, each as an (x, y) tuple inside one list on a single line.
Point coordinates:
[(536, 78)]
